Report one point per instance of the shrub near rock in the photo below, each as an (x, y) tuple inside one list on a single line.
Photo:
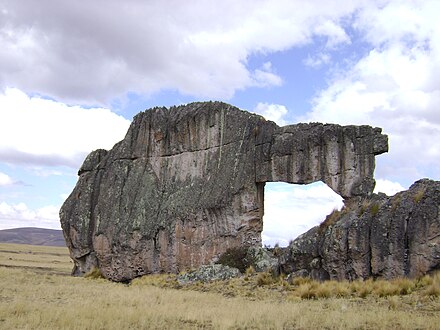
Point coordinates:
[(237, 257), (242, 258)]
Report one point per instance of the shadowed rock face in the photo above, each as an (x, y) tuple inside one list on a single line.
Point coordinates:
[(186, 183)]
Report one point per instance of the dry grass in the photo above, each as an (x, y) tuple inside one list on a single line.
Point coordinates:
[(94, 274), (43, 259), (419, 194), (395, 202), (364, 206), (330, 219), (30, 299), (374, 209)]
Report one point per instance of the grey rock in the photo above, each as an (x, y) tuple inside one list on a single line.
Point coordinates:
[(299, 273), (262, 260), (92, 161), (208, 273), (378, 237), (187, 183)]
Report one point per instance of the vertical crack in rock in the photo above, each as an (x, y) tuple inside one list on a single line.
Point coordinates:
[(187, 182), (370, 252), (222, 126), (406, 251)]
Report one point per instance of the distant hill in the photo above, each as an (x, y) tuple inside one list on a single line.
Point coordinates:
[(33, 236)]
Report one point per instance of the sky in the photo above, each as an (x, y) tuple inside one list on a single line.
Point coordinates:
[(74, 73)]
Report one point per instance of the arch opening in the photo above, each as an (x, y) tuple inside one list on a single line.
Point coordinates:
[(292, 209)]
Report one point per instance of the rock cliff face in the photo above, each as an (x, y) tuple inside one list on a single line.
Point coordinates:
[(378, 236), (186, 183)]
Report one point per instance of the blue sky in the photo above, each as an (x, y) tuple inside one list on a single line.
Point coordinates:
[(73, 74)]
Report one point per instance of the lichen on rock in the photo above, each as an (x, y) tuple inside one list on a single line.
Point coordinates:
[(208, 273), (378, 237), (187, 182)]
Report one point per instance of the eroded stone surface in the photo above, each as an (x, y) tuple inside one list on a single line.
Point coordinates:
[(379, 237), (208, 273), (186, 183)]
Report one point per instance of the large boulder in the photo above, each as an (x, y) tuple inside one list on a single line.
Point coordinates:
[(187, 183), (378, 236)]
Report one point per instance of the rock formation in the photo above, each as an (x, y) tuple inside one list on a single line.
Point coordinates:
[(208, 273), (187, 182), (378, 236)]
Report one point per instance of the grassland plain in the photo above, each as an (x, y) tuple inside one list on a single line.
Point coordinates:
[(37, 292)]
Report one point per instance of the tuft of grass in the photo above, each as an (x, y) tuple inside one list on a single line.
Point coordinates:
[(394, 302), (395, 202), (265, 278), (94, 273), (309, 289), (385, 289), (418, 195), (424, 281), (374, 209), (306, 291), (365, 205), (432, 289), (365, 290), (250, 271), (405, 285), (340, 289), (296, 281), (330, 219), (323, 291), (261, 285), (36, 298)]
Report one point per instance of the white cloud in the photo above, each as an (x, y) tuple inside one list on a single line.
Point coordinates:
[(19, 215), (395, 86), (388, 187), (273, 112), (266, 77), (317, 60), (335, 33), (397, 21), (45, 172), (291, 210), (5, 180), (44, 132), (78, 52), (41, 171)]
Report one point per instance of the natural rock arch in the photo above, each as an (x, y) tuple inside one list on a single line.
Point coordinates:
[(187, 182), (292, 209)]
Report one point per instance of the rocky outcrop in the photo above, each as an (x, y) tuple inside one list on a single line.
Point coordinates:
[(378, 236), (262, 259), (208, 273), (186, 183)]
